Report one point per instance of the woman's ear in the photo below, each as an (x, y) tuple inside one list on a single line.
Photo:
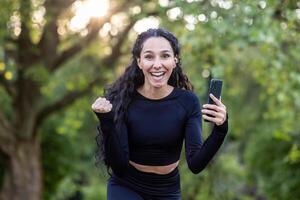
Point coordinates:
[(138, 60), (176, 60)]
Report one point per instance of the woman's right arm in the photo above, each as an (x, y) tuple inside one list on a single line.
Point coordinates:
[(115, 140)]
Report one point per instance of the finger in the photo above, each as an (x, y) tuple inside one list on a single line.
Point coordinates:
[(105, 107), (211, 119), (105, 103), (219, 117), (102, 110), (100, 106), (99, 103), (215, 107), (109, 107), (94, 105), (99, 99), (217, 121), (213, 113), (215, 99), (108, 102)]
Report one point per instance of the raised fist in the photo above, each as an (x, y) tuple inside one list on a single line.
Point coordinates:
[(102, 105)]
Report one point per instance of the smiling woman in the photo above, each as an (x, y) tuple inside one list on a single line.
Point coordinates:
[(145, 117), (84, 10)]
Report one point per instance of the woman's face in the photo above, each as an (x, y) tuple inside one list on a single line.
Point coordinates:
[(157, 61)]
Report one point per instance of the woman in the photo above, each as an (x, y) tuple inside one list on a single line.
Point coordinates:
[(146, 115)]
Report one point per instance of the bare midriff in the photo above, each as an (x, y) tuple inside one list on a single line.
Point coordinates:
[(155, 169)]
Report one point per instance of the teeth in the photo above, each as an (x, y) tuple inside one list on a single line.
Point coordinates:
[(157, 73)]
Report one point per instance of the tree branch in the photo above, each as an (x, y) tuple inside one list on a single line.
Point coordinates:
[(116, 49), (6, 134), (24, 40), (49, 39), (4, 124), (55, 7), (95, 25), (64, 102), (70, 97), (8, 87)]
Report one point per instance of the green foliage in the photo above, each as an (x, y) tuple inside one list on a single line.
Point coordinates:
[(38, 73), (68, 155), (253, 50), (274, 172), (212, 183), (252, 45), (6, 9)]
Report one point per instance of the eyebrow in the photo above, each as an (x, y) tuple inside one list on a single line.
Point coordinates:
[(163, 51)]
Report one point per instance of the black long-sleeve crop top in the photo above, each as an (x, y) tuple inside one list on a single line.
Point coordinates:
[(154, 130)]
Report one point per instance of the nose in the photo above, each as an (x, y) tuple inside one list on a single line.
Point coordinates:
[(157, 63)]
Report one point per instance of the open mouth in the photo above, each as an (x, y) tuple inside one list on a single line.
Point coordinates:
[(157, 74)]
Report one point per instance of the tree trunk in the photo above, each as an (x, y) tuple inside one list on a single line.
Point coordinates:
[(23, 172)]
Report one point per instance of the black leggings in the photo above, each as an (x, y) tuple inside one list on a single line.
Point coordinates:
[(137, 185)]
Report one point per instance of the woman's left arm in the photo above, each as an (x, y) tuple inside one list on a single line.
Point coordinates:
[(198, 155)]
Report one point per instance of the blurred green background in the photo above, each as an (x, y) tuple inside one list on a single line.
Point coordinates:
[(56, 57)]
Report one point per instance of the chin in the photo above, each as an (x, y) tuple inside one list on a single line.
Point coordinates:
[(158, 85)]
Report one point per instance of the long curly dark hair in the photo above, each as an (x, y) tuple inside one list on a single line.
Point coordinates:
[(120, 93)]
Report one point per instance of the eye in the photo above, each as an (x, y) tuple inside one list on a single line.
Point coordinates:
[(166, 55), (148, 56)]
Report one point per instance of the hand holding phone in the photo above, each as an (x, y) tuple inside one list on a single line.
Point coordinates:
[(215, 88)]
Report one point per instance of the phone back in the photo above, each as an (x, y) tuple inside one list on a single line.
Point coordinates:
[(215, 88)]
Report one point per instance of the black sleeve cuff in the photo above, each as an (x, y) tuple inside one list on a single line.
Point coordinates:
[(107, 115), (223, 128)]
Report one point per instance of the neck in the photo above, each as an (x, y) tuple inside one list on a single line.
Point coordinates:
[(155, 93)]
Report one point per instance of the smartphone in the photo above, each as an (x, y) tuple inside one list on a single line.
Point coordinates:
[(215, 88)]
